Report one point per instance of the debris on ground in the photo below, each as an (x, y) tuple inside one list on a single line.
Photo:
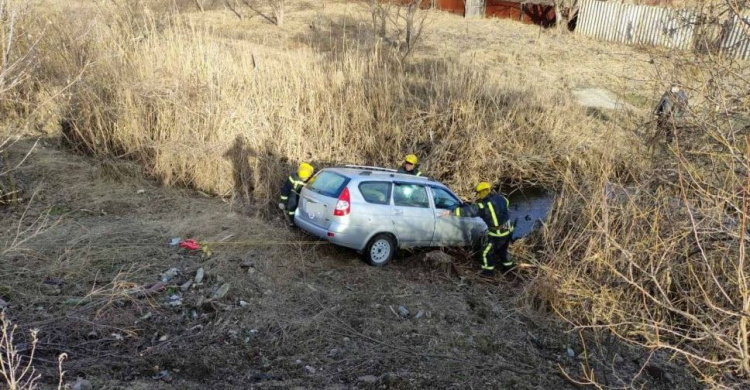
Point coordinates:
[(191, 245), (163, 375), (221, 292), (310, 369), (186, 286), (3, 304), (169, 275), (199, 275), (419, 314), (175, 241), (403, 311), (82, 384), (368, 379), (156, 287)]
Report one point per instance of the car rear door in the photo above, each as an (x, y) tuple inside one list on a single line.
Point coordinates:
[(413, 218), (318, 198)]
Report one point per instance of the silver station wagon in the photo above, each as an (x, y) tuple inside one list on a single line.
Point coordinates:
[(375, 211)]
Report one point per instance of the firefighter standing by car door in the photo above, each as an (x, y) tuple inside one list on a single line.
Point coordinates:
[(410, 166), (493, 209), (291, 189)]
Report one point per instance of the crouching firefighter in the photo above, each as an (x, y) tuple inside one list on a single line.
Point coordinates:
[(493, 209), (291, 189)]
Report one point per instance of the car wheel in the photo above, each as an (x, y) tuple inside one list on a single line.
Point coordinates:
[(380, 250)]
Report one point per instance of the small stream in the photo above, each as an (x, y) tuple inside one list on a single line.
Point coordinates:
[(528, 207)]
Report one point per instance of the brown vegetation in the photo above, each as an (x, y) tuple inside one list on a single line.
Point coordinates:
[(647, 243)]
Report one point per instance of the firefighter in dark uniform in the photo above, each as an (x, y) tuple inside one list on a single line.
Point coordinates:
[(291, 189), (410, 166), (493, 209)]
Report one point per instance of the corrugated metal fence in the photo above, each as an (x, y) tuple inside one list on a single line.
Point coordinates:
[(636, 24), (736, 40)]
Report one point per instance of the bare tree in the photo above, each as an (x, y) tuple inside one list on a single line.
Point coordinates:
[(278, 8), (564, 10), (406, 19), (200, 5)]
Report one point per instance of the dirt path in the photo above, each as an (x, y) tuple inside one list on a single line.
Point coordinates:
[(295, 315)]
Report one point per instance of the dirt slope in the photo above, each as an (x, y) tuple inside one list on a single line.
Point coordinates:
[(295, 314)]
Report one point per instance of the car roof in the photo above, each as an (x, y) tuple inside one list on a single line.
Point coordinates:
[(362, 173)]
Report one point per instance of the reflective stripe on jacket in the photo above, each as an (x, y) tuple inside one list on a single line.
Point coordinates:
[(494, 212)]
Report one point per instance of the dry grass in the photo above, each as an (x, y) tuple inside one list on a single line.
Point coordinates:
[(649, 245)]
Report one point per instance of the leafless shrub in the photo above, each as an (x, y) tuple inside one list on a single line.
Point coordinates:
[(17, 370)]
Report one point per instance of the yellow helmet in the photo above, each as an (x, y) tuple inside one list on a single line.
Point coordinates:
[(305, 170), (483, 186), (411, 159)]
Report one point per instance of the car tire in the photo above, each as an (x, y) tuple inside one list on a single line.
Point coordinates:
[(380, 250)]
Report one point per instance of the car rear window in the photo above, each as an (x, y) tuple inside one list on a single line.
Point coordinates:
[(328, 184), (377, 192)]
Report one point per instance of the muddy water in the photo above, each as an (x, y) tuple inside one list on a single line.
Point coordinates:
[(529, 207)]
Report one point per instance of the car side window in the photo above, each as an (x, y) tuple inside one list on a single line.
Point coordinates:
[(410, 195), (444, 199), (376, 192)]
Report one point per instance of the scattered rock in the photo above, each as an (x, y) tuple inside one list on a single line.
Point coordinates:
[(368, 379), (267, 293), (570, 352), (346, 339), (334, 352), (51, 280), (243, 303), (389, 378), (298, 362), (140, 192), (82, 384), (310, 369), (439, 257), (163, 338), (145, 316), (117, 336), (51, 289), (199, 275), (247, 264), (419, 314), (618, 359), (658, 373), (221, 292), (186, 286), (403, 311)]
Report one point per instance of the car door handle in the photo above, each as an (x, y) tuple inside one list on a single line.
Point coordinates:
[(398, 212)]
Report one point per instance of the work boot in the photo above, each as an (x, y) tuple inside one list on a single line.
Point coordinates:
[(487, 273)]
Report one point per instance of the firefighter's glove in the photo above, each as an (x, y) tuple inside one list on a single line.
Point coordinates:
[(282, 206)]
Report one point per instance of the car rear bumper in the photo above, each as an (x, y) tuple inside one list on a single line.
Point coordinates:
[(338, 236)]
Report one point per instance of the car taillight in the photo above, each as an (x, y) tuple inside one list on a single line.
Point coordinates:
[(343, 206)]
